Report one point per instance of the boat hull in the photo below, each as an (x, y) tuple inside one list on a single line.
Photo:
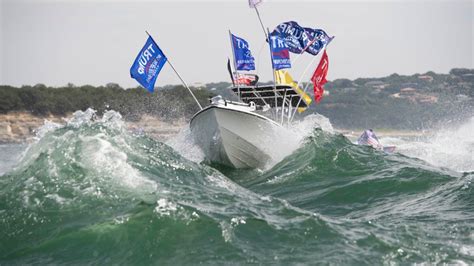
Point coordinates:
[(235, 138)]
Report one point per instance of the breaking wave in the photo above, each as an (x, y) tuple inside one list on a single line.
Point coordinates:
[(451, 147), (89, 191)]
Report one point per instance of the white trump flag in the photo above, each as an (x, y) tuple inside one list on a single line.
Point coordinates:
[(254, 3)]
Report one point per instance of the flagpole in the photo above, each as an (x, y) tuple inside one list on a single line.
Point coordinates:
[(289, 110), (261, 23), (304, 72), (268, 40), (302, 52), (184, 83), (283, 107), (179, 76), (274, 78), (297, 106)]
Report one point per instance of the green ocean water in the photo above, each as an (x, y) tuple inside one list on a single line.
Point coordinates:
[(91, 192)]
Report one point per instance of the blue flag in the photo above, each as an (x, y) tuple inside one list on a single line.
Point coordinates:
[(319, 39), (243, 57), (301, 39), (148, 64), (280, 53)]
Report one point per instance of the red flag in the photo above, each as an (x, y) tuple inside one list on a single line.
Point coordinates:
[(319, 77)]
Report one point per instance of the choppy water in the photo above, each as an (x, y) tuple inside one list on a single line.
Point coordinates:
[(91, 192)]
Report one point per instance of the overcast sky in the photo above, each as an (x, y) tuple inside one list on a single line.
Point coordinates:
[(95, 42)]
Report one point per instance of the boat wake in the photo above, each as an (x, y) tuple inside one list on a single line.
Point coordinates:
[(184, 144)]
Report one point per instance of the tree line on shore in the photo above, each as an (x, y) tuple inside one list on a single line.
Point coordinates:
[(398, 102), (418, 101), (131, 103)]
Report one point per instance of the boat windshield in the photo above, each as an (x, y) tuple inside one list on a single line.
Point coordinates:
[(262, 95)]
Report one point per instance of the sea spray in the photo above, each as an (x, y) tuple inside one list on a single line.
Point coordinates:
[(89, 179), (451, 147), (91, 192), (299, 131), (184, 144)]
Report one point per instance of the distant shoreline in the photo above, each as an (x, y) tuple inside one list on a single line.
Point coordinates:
[(405, 102), (20, 127)]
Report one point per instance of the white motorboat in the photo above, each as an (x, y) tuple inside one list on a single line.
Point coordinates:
[(251, 133), (240, 134), (248, 133)]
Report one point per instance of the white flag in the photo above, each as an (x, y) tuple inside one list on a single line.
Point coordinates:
[(254, 3)]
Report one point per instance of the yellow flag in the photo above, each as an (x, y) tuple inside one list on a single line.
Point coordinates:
[(284, 78)]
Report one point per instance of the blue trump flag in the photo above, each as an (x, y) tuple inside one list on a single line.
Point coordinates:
[(319, 39), (280, 53), (148, 64), (301, 39), (243, 57)]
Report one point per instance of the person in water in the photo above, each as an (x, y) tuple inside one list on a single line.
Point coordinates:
[(369, 138)]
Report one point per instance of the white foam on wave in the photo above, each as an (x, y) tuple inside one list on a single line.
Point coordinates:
[(164, 207), (218, 180), (82, 117), (108, 160), (452, 148), (102, 154), (47, 127), (296, 136), (110, 118), (306, 126), (184, 144)]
